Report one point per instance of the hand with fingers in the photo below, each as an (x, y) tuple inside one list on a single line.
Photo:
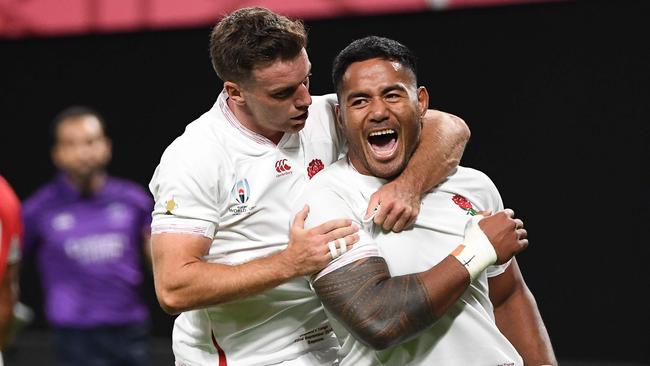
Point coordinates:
[(506, 234), (311, 250), (491, 239), (395, 206)]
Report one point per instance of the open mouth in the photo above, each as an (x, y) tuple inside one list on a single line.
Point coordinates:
[(383, 142)]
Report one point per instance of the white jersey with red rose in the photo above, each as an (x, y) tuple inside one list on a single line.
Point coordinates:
[(225, 182), (466, 334)]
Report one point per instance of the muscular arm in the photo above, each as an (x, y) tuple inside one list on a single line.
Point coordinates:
[(441, 147), (184, 281), (382, 311), (518, 317)]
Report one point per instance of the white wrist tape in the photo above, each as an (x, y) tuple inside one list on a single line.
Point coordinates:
[(477, 253)]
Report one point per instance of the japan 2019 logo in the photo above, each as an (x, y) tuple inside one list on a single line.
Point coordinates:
[(241, 191)]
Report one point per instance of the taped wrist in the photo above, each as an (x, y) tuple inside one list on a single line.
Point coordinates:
[(476, 253)]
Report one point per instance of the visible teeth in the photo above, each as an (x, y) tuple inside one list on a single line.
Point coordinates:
[(382, 132)]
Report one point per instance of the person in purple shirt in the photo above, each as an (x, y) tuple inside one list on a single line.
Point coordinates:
[(87, 232)]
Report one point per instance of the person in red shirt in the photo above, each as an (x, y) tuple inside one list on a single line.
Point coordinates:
[(10, 235)]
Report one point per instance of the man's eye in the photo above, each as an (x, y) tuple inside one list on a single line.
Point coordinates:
[(358, 102), (282, 95)]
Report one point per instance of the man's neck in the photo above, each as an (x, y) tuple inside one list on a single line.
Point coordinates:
[(247, 120), (356, 165), (360, 168), (87, 185)]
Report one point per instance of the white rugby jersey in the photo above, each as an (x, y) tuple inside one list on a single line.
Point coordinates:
[(225, 182), (466, 334)]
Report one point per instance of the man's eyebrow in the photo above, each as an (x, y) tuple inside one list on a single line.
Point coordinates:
[(385, 90), (291, 87), (390, 88), (357, 95)]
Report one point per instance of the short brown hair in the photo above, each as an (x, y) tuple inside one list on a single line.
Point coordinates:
[(253, 36)]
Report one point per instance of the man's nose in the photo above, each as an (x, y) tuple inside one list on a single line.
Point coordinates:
[(378, 110), (303, 98)]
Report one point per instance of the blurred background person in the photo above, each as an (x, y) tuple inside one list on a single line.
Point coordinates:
[(10, 235), (87, 232)]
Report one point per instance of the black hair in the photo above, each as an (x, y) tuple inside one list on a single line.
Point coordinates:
[(368, 48), (74, 111)]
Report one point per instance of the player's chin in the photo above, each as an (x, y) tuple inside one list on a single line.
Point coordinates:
[(296, 127)]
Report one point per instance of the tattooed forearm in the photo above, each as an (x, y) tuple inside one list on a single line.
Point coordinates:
[(379, 310)]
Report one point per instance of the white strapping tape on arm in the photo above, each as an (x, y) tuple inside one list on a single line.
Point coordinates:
[(477, 253)]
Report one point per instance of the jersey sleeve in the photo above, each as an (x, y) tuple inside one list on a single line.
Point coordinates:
[(185, 192), (328, 205)]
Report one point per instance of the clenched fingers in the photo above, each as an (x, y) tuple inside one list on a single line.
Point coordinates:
[(396, 217), (404, 222), (509, 212), (518, 224)]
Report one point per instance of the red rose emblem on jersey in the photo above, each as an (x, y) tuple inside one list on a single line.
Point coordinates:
[(314, 167), (463, 203)]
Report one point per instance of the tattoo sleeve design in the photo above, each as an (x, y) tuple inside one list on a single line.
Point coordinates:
[(379, 310)]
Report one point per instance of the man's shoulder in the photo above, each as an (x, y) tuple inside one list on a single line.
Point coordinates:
[(322, 105), (320, 100), (45, 196), (199, 154), (199, 140), (321, 111), (332, 176), (469, 173), (470, 183), (9, 201)]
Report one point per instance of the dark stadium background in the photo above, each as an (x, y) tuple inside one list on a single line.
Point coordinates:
[(556, 95)]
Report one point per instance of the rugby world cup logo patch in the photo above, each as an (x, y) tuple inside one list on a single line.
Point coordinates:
[(241, 191)]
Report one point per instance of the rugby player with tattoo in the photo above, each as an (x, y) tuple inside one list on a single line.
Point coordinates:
[(447, 291)]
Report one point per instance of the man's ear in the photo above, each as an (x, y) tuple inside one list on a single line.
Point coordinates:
[(423, 100), (234, 92), (339, 119)]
